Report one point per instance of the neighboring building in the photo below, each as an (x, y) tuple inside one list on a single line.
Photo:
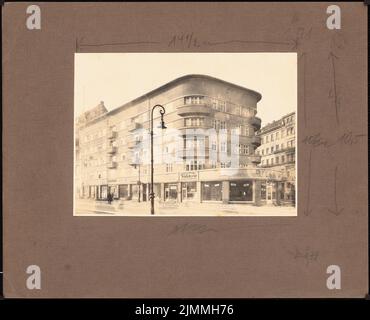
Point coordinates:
[(278, 151), (112, 150)]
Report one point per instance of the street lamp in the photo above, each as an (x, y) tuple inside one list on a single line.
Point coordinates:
[(162, 111)]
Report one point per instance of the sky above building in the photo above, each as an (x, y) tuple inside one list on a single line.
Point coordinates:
[(117, 78)]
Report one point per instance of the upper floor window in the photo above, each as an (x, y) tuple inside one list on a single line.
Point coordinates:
[(168, 167), (194, 122), (222, 106), (194, 100)]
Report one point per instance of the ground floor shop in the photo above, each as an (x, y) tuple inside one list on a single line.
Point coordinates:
[(247, 191)]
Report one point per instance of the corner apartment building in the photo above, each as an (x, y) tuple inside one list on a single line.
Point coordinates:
[(278, 151), (112, 149)]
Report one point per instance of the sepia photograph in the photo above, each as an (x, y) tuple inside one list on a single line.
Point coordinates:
[(185, 134)]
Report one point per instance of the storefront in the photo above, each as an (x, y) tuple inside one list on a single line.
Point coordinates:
[(123, 191), (241, 190), (212, 191), (188, 191)]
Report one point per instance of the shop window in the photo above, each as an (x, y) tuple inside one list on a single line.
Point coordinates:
[(241, 190), (123, 191), (212, 191)]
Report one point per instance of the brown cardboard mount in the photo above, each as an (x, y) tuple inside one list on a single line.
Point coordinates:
[(136, 257)]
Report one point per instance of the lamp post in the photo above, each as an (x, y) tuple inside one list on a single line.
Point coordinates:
[(162, 111)]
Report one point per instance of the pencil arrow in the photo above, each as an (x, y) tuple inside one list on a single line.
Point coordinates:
[(336, 211)]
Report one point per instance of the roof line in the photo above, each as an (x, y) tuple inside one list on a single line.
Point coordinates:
[(176, 81)]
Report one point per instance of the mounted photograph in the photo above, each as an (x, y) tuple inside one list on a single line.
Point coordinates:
[(185, 134)]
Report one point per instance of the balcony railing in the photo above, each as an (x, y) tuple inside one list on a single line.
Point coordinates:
[(134, 126), (186, 153), (112, 149), (132, 144), (112, 134), (255, 122), (112, 164), (194, 109), (286, 150), (256, 140), (255, 159)]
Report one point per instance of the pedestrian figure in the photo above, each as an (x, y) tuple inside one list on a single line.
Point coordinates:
[(110, 198)]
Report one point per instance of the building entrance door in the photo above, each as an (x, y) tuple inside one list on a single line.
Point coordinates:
[(269, 193), (170, 192)]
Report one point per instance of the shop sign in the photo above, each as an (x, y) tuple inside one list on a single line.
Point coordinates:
[(188, 176)]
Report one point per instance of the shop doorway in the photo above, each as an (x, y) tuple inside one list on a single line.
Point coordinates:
[(188, 191), (170, 192), (270, 193)]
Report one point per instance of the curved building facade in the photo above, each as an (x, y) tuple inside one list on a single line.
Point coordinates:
[(207, 152)]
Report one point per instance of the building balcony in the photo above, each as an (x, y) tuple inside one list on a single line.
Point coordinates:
[(286, 150), (187, 154), (112, 165), (194, 109), (132, 144), (255, 159), (134, 126), (112, 149), (255, 122), (112, 134), (290, 150), (256, 141)]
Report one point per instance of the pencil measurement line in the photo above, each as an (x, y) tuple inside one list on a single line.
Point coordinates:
[(307, 210), (332, 57), (215, 43), (116, 43)]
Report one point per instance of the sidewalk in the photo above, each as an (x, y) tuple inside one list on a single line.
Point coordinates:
[(85, 207)]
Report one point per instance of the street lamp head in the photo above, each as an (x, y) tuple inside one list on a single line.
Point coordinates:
[(162, 125)]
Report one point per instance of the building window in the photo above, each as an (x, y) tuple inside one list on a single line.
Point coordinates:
[(272, 149), (272, 137), (214, 145), (168, 167), (222, 106), (277, 160), (223, 147), (272, 161), (194, 122), (267, 138), (215, 104), (277, 147), (282, 159), (263, 152), (194, 100)]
